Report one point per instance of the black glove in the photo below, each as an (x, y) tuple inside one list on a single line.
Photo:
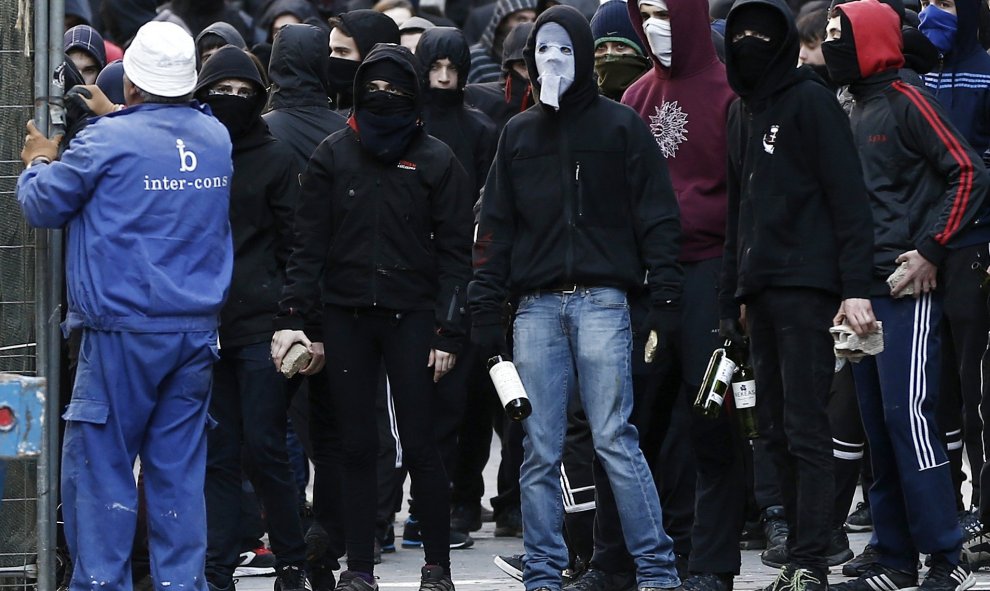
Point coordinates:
[(665, 319), (731, 330), (490, 340)]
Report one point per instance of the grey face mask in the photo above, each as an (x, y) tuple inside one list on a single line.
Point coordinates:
[(554, 63)]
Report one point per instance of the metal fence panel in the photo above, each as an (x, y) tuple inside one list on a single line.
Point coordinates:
[(18, 511)]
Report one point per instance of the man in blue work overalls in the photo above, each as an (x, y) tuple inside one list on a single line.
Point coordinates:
[(143, 194)]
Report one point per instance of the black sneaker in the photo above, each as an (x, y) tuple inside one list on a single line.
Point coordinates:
[(320, 577), (508, 523), (591, 579), (435, 578), (943, 576), (459, 540), (838, 548), (511, 565), (707, 582), (838, 551), (783, 580), (806, 579), (976, 551), (774, 526), (411, 535), (862, 563), (879, 577), (351, 581), (291, 578), (752, 537), (465, 518), (969, 523), (259, 562), (775, 557), (861, 519)]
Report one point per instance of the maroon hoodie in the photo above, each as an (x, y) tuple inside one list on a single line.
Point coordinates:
[(686, 107)]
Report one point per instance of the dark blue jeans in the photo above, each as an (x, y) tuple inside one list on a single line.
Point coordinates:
[(250, 405)]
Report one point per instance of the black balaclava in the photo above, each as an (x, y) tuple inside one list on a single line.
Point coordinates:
[(238, 114), (753, 55), (367, 28), (387, 122), (840, 55)]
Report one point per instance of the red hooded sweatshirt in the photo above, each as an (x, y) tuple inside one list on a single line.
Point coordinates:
[(686, 107)]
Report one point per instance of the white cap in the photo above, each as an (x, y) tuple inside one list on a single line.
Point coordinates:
[(162, 60)]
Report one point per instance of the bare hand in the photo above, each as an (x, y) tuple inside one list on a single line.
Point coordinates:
[(97, 102), (441, 362), (317, 362), (37, 145), (283, 340), (920, 273), (858, 314)]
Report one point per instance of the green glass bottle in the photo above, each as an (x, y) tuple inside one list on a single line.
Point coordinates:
[(716, 384), (744, 401)]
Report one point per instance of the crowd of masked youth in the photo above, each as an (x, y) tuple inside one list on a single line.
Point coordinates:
[(267, 76)]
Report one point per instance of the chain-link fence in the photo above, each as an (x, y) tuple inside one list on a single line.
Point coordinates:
[(18, 511)]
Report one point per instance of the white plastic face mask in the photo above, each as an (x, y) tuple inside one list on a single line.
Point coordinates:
[(554, 63), (658, 33)]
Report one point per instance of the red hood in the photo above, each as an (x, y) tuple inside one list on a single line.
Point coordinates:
[(691, 37), (876, 31)]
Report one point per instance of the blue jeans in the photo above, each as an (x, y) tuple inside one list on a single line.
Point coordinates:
[(565, 344)]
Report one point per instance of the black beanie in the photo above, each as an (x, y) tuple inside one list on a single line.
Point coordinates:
[(761, 18)]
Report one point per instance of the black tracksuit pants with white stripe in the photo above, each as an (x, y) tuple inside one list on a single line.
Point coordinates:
[(912, 499)]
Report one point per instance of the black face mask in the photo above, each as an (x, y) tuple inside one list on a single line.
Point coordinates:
[(841, 61), (340, 73), (617, 72), (822, 71), (238, 114), (386, 124), (752, 57), (445, 98)]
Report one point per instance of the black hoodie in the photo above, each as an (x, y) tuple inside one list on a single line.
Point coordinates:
[(575, 196), (390, 236), (799, 214), (301, 9), (263, 195), (300, 113), (467, 131), (512, 94)]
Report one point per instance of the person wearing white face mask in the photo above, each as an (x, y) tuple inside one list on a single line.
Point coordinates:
[(656, 24), (577, 204)]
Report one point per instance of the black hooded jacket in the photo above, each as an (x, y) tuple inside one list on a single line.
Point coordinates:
[(263, 195), (505, 98), (225, 31), (301, 9), (196, 15), (389, 236), (368, 28), (799, 214), (467, 131), (575, 196), (300, 115)]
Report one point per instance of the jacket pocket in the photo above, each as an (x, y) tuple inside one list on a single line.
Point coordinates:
[(88, 411)]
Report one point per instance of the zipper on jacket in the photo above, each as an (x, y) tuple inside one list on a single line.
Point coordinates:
[(577, 187), (453, 303), (374, 253), (568, 201)]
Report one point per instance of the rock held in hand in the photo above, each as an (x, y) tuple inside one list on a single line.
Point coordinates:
[(297, 358)]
